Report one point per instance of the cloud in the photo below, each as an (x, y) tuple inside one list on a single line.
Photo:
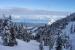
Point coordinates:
[(24, 14), (25, 11)]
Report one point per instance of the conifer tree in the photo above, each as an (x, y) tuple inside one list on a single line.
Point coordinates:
[(9, 38), (59, 44), (41, 46)]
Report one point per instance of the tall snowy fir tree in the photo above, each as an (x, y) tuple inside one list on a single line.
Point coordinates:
[(9, 38), (59, 41), (59, 44), (41, 46)]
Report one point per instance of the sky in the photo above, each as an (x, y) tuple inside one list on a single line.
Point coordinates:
[(32, 7), (52, 5)]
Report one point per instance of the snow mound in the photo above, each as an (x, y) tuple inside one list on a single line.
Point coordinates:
[(32, 45)]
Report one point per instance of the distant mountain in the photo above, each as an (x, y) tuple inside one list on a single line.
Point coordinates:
[(31, 24), (60, 24)]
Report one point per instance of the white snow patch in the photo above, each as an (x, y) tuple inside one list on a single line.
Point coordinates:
[(32, 45)]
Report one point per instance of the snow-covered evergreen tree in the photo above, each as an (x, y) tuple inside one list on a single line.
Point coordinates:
[(59, 44), (9, 38), (41, 46)]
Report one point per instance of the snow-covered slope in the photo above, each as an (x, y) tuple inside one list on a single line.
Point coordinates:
[(69, 30), (32, 45), (51, 21)]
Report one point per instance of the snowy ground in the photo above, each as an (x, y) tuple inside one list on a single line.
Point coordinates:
[(32, 45), (73, 41)]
